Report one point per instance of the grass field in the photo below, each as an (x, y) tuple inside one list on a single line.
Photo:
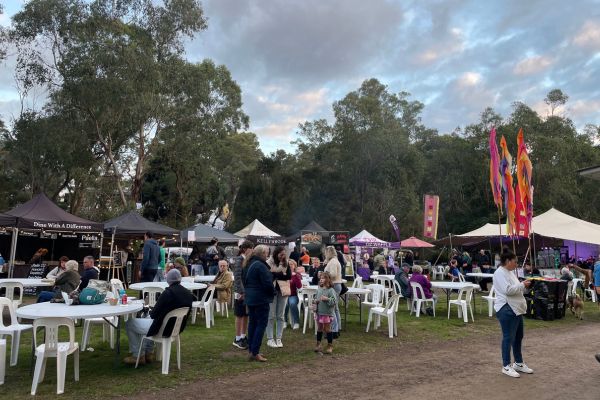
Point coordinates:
[(208, 353)]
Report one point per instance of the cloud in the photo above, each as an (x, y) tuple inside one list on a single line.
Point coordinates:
[(532, 65), (589, 35)]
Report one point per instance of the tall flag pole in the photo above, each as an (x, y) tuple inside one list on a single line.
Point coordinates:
[(525, 189), (496, 179)]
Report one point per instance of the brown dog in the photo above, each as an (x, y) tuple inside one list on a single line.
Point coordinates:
[(576, 306)]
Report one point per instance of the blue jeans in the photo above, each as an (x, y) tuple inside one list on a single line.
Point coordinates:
[(258, 317), (336, 324), (213, 269), (292, 306), (45, 296), (512, 334), (276, 315), (148, 275)]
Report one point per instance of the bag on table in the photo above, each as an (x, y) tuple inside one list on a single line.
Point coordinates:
[(94, 293)]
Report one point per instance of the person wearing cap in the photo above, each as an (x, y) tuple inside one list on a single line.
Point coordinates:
[(174, 297)]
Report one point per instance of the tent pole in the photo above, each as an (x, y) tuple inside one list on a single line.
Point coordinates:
[(451, 248), (439, 255), (13, 250), (110, 258)]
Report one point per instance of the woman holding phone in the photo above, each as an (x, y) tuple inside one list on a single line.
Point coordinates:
[(510, 305)]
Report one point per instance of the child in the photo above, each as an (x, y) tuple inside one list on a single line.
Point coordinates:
[(325, 301)]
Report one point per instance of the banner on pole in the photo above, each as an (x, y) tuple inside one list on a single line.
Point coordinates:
[(430, 216), (394, 223)]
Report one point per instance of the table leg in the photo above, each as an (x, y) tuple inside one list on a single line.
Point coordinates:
[(345, 310), (118, 344)]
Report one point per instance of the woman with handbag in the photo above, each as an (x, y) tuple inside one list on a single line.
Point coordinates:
[(282, 274), (332, 265)]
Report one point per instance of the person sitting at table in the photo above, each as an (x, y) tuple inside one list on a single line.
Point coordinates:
[(66, 282), (418, 277), (57, 271), (174, 297), (384, 268), (316, 268), (223, 283), (453, 272), (304, 258), (179, 265), (566, 275), (89, 272), (402, 278)]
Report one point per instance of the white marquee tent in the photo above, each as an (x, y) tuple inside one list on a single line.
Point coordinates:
[(256, 228)]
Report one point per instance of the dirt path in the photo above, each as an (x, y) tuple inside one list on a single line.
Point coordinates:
[(468, 369)]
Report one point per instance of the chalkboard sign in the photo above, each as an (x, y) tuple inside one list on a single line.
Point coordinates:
[(117, 259), (37, 271)]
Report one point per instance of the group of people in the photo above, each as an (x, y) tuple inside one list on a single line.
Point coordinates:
[(67, 278)]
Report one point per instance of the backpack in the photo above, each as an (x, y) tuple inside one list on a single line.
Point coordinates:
[(94, 293)]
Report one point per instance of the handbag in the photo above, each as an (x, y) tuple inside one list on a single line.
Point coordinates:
[(344, 289), (94, 293), (284, 286)]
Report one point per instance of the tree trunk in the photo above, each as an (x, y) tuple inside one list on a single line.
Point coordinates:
[(136, 185)]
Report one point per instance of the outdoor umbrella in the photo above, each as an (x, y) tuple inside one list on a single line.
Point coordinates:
[(415, 243)]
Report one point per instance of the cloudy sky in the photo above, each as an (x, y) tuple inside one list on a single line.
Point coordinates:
[(294, 58)]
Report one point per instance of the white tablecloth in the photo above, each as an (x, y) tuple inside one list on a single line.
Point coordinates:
[(28, 282), (164, 285), (204, 278)]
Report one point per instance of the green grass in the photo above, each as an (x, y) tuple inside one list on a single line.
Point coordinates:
[(208, 353)]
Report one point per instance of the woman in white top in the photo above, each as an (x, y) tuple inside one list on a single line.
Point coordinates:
[(510, 306), (334, 268), (56, 272)]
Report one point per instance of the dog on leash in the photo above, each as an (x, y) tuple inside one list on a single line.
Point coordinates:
[(576, 306)]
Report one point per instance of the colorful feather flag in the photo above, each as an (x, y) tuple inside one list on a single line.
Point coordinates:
[(525, 189), (507, 186), (495, 178)]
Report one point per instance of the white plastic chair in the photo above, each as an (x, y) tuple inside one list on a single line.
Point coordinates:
[(358, 282), (388, 286), (463, 301), (439, 272), (14, 329), (9, 288), (398, 291), (308, 312), (152, 292), (2, 360), (107, 331), (389, 313), (419, 299), (207, 303), (53, 348), (377, 296), (490, 298), (116, 286), (165, 342)]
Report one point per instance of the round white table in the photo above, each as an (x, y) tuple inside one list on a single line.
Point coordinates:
[(104, 310), (480, 275), (385, 277), (204, 278), (164, 285), (28, 282)]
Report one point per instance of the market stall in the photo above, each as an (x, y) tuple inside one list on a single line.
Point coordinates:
[(260, 234)]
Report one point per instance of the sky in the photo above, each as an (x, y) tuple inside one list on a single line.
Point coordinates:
[(293, 59)]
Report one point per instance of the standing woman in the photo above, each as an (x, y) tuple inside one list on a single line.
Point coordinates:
[(258, 295), (332, 265), (282, 274), (510, 305)]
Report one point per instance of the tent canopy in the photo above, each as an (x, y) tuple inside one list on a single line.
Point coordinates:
[(365, 239), (204, 234), (256, 229), (551, 224), (41, 213), (132, 223), (7, 220), (311, 227), (415, 243)]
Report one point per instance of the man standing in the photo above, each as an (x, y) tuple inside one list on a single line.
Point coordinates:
[(89, 272), (379, 260), (150, 258), (174, 297), (213, 254), (162, 261), (241, 316)]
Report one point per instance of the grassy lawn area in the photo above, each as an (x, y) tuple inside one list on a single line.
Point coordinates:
[(208, 353)]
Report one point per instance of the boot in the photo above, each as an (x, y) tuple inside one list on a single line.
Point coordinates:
[(329, 349), (319, 348)]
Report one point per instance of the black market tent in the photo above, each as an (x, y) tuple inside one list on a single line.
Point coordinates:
[(312, 226), (41, 214), (204, 234), (133, 224), (7, 220)]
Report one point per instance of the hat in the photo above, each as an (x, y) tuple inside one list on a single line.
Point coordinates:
[(180, 261), (173, 276)]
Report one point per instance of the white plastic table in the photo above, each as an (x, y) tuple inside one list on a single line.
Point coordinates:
[(104, 310), (164, 285), (204, 278), (448, 286), (29, 282), (387, 277), (480, 275)]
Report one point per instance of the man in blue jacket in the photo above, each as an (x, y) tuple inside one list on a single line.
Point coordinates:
[(259, 293), (150, 258)]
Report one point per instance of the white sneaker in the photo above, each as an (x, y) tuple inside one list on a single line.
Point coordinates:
[(296, 326), (271, 343), (508, 370), (278, 342), (284, 325), (522, 368)]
